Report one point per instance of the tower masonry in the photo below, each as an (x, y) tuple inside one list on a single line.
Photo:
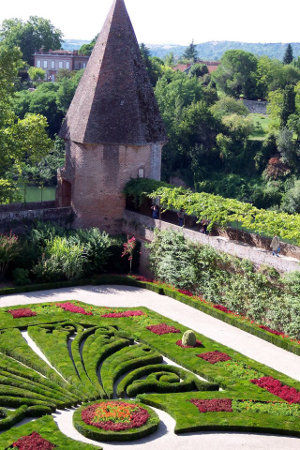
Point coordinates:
[(113, 130)]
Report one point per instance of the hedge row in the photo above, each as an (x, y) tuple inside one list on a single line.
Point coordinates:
[(53, 340), (15, 346), (161, 378), (97, 348), (124, 361), (12, 417)]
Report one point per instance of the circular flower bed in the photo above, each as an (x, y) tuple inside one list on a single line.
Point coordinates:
[(115, 420)]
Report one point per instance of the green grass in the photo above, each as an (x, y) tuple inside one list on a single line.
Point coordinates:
[(262, 126)]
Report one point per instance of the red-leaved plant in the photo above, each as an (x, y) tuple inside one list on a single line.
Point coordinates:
[(21, 312), (33, 442)]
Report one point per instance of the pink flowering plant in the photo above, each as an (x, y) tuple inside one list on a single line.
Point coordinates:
[(128, 250)]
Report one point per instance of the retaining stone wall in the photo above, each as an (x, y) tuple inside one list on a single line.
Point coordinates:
[(142, 227), (16, 219), (256, 107)]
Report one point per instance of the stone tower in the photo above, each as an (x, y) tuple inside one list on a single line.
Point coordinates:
[(113, 130)]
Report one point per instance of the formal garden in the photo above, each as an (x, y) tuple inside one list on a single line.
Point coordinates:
[(108, 364)]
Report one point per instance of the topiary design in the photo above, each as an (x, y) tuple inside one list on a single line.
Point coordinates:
[(189, 338), (95, 355)]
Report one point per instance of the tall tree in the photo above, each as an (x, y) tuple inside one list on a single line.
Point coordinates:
[(191, 52), (30, 36), (288, 56), (289, 105), (236, 74), (20, 140)]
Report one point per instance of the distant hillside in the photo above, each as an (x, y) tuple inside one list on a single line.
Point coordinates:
[(211, 51)]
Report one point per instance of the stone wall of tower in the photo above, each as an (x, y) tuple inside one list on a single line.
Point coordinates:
[(95, 175)]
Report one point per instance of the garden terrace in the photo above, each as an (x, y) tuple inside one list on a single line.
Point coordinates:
[(242, 221), (111, 352)]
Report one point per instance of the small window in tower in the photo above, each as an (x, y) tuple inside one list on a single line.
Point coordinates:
[(142, 172)]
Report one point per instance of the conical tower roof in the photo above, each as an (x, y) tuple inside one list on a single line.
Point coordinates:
[(114, 102)]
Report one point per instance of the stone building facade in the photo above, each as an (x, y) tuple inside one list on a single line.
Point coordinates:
[(55, 60), (113, 130)]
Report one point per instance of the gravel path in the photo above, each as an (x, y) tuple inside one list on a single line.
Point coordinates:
[(251, 346)]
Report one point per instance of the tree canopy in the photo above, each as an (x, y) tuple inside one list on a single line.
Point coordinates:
[(236, 75), (20, 139), (30, 36)]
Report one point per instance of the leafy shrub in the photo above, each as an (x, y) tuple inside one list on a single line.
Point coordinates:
[(225, 280), (9, 249), (63, 259), (96, 247), (21, 277), (170, 259)]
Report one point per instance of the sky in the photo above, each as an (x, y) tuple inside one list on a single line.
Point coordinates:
[(171, 21)]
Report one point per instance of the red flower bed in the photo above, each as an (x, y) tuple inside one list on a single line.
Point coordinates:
[(287, 393), (33, 442), (278, 333), (214, 357), (115, 415), (188, 293), (141, 278), (73, 308), (223, 308), (213, 405), (125, 314), (22, 312), (162, 328), (180, 344)]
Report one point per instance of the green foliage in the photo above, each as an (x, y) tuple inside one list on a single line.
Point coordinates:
[(191, 53), (198, 70), (225, 280), (288, 106), (170, 261), (86, 49), (154, 66), (291, 199), (20, 140), (237, 73), (289, 149), (227, 106), (9, 249), (48, 429), (21, 277), (31, 36), (224, 211), (36, 74), (288, 56)]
